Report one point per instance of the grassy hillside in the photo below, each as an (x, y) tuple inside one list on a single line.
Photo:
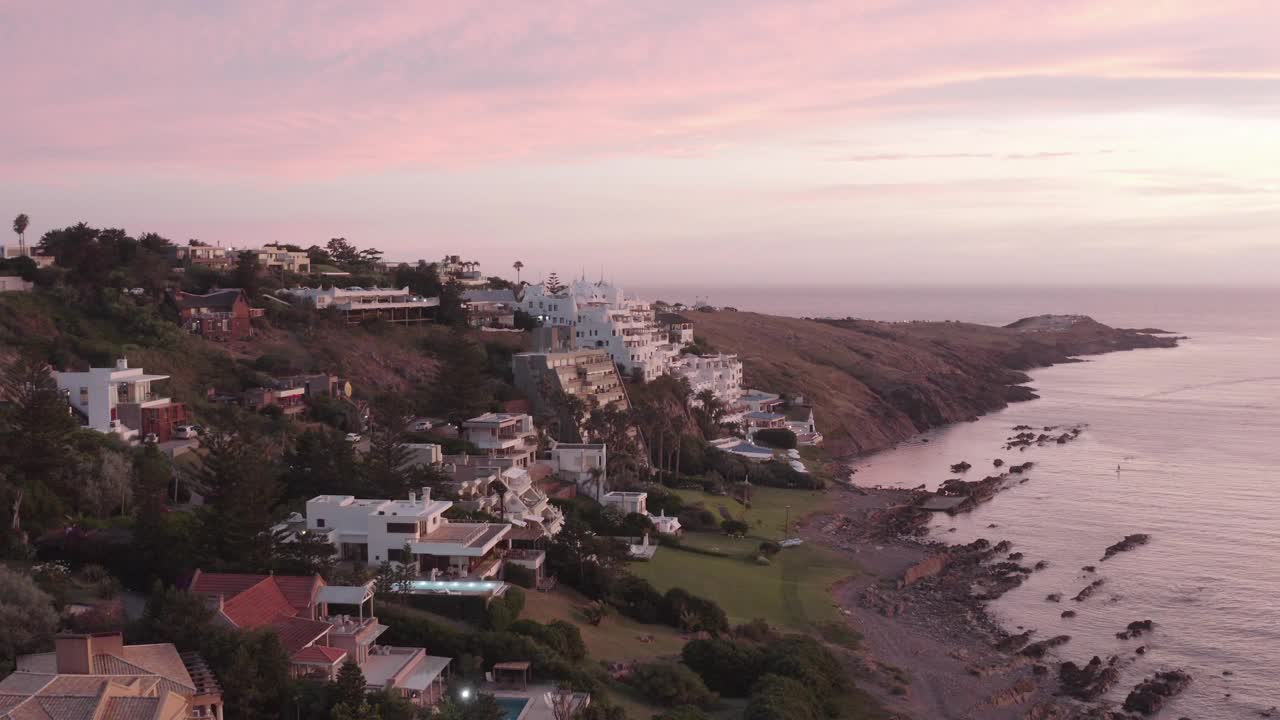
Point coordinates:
[(873, 384)]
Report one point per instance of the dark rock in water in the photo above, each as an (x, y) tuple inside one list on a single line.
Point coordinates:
[(1042, 565), (1001, 547), (1015, 557), (992, 525), (960, 467), (1019, 469), (1089, 682), (1053, 597), (1128, 543), (1140, 650), (1039, 669), (1227, 673), (1068, 613), (1038, 649), (1088, 590), (1017, 428), (1014, 642), (1136, 629), (997, 462), (1090, 568), (1151, 694)]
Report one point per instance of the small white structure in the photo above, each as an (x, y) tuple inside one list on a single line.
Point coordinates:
[(374, 531), (638, 502), (508, 439), (428, 454), (11, 252), (274, 257), (11, 283)]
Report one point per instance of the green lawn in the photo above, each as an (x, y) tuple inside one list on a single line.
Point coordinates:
[(792, 592), (615, 638)]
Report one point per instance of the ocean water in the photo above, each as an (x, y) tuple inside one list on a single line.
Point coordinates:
[(1195, 433)]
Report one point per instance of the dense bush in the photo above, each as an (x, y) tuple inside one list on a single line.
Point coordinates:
[(736, 528), (637, 599), (697, 519), (670, 685), (781, 438), (729, 668), (690, 612), (561, 636), (782, 698), (804, 658), (519, 575), (504, 610)]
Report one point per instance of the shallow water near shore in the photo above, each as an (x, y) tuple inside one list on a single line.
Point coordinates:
[(1196, 434)]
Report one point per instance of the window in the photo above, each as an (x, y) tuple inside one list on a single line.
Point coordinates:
[(402, 528), (319, 522), (84, 395), (396, 555)]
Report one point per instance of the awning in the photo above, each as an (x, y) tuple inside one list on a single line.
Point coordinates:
[(426, 673), (345, 594)]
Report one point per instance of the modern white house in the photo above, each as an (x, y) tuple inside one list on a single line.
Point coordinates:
[(12, 252), (376, 530), (508, 493), (357, 303), (121, 400), (274, 257), (602, 316), (507, 439)]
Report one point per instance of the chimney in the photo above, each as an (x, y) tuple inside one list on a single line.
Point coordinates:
[(426, 494), (412, 497), (122, 364), (74, 654)]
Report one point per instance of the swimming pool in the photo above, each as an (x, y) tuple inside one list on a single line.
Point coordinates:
[(512, 706), (456, 587)]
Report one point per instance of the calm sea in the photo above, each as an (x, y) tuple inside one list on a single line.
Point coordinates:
[(1195, 433)]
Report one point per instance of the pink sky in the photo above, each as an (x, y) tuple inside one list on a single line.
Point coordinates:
[(718, 142)]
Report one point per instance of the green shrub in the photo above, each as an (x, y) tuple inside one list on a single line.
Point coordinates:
[(737, 528), (519, 575), (670, 685), (782, 698), (727, 667), (780, 438)]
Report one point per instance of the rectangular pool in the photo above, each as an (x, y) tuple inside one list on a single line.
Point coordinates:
[(512, 706)]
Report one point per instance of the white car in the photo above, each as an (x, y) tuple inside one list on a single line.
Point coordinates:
[(151, 438), (421, 425), (186, 432), (353, 437)]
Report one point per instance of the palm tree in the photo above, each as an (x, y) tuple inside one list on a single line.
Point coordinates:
[(597, 476), (518, 266), (20, 224)]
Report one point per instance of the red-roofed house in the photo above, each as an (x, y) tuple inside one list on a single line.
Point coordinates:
[(296, 608), (219, 315)]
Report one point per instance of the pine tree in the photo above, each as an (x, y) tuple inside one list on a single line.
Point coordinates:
[(349, 688), (553, 285), (241, 487), (386, 464)]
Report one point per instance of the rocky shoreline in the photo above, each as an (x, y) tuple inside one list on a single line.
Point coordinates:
[(922, 605)]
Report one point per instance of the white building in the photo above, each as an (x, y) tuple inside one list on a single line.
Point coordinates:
[(637, 502), (10, 283), (507, 439), (12, 252), (604, 317), (507, 493), (721, 374), (274, 257), (582, 464), (374, 531), (120, 400), (357, 303)]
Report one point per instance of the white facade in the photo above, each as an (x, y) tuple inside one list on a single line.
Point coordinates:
[(376, 531), (721, 374), (10, 283), (507, 439), (637, 502), (581, 463), (274, 256), (604, 317), (356, 298), (12, 252), (99, 392)]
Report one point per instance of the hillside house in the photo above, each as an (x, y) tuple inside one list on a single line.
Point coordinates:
[(507, 439), (218, 315), (97, 677), (121, 400)]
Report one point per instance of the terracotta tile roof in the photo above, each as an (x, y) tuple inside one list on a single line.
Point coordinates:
[(319, 654), (258, 606), (296, 633), (161, 659), (298, 590), (130, 708), (57, 708)]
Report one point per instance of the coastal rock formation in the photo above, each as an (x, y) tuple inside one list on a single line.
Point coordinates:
[(1128, 543), (1038, 649), (1136, 629), (875, 384), (1151, 694), (1091, 681), (960, 467), (1088, 590)]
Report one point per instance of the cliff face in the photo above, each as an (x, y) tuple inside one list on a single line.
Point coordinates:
[(874, 384)]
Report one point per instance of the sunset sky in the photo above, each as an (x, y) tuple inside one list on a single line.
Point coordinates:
[(668, 141)]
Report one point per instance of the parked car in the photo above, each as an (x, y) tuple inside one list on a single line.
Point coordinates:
[(150, 439), (186, 432), (421, 425), (353, 437)]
